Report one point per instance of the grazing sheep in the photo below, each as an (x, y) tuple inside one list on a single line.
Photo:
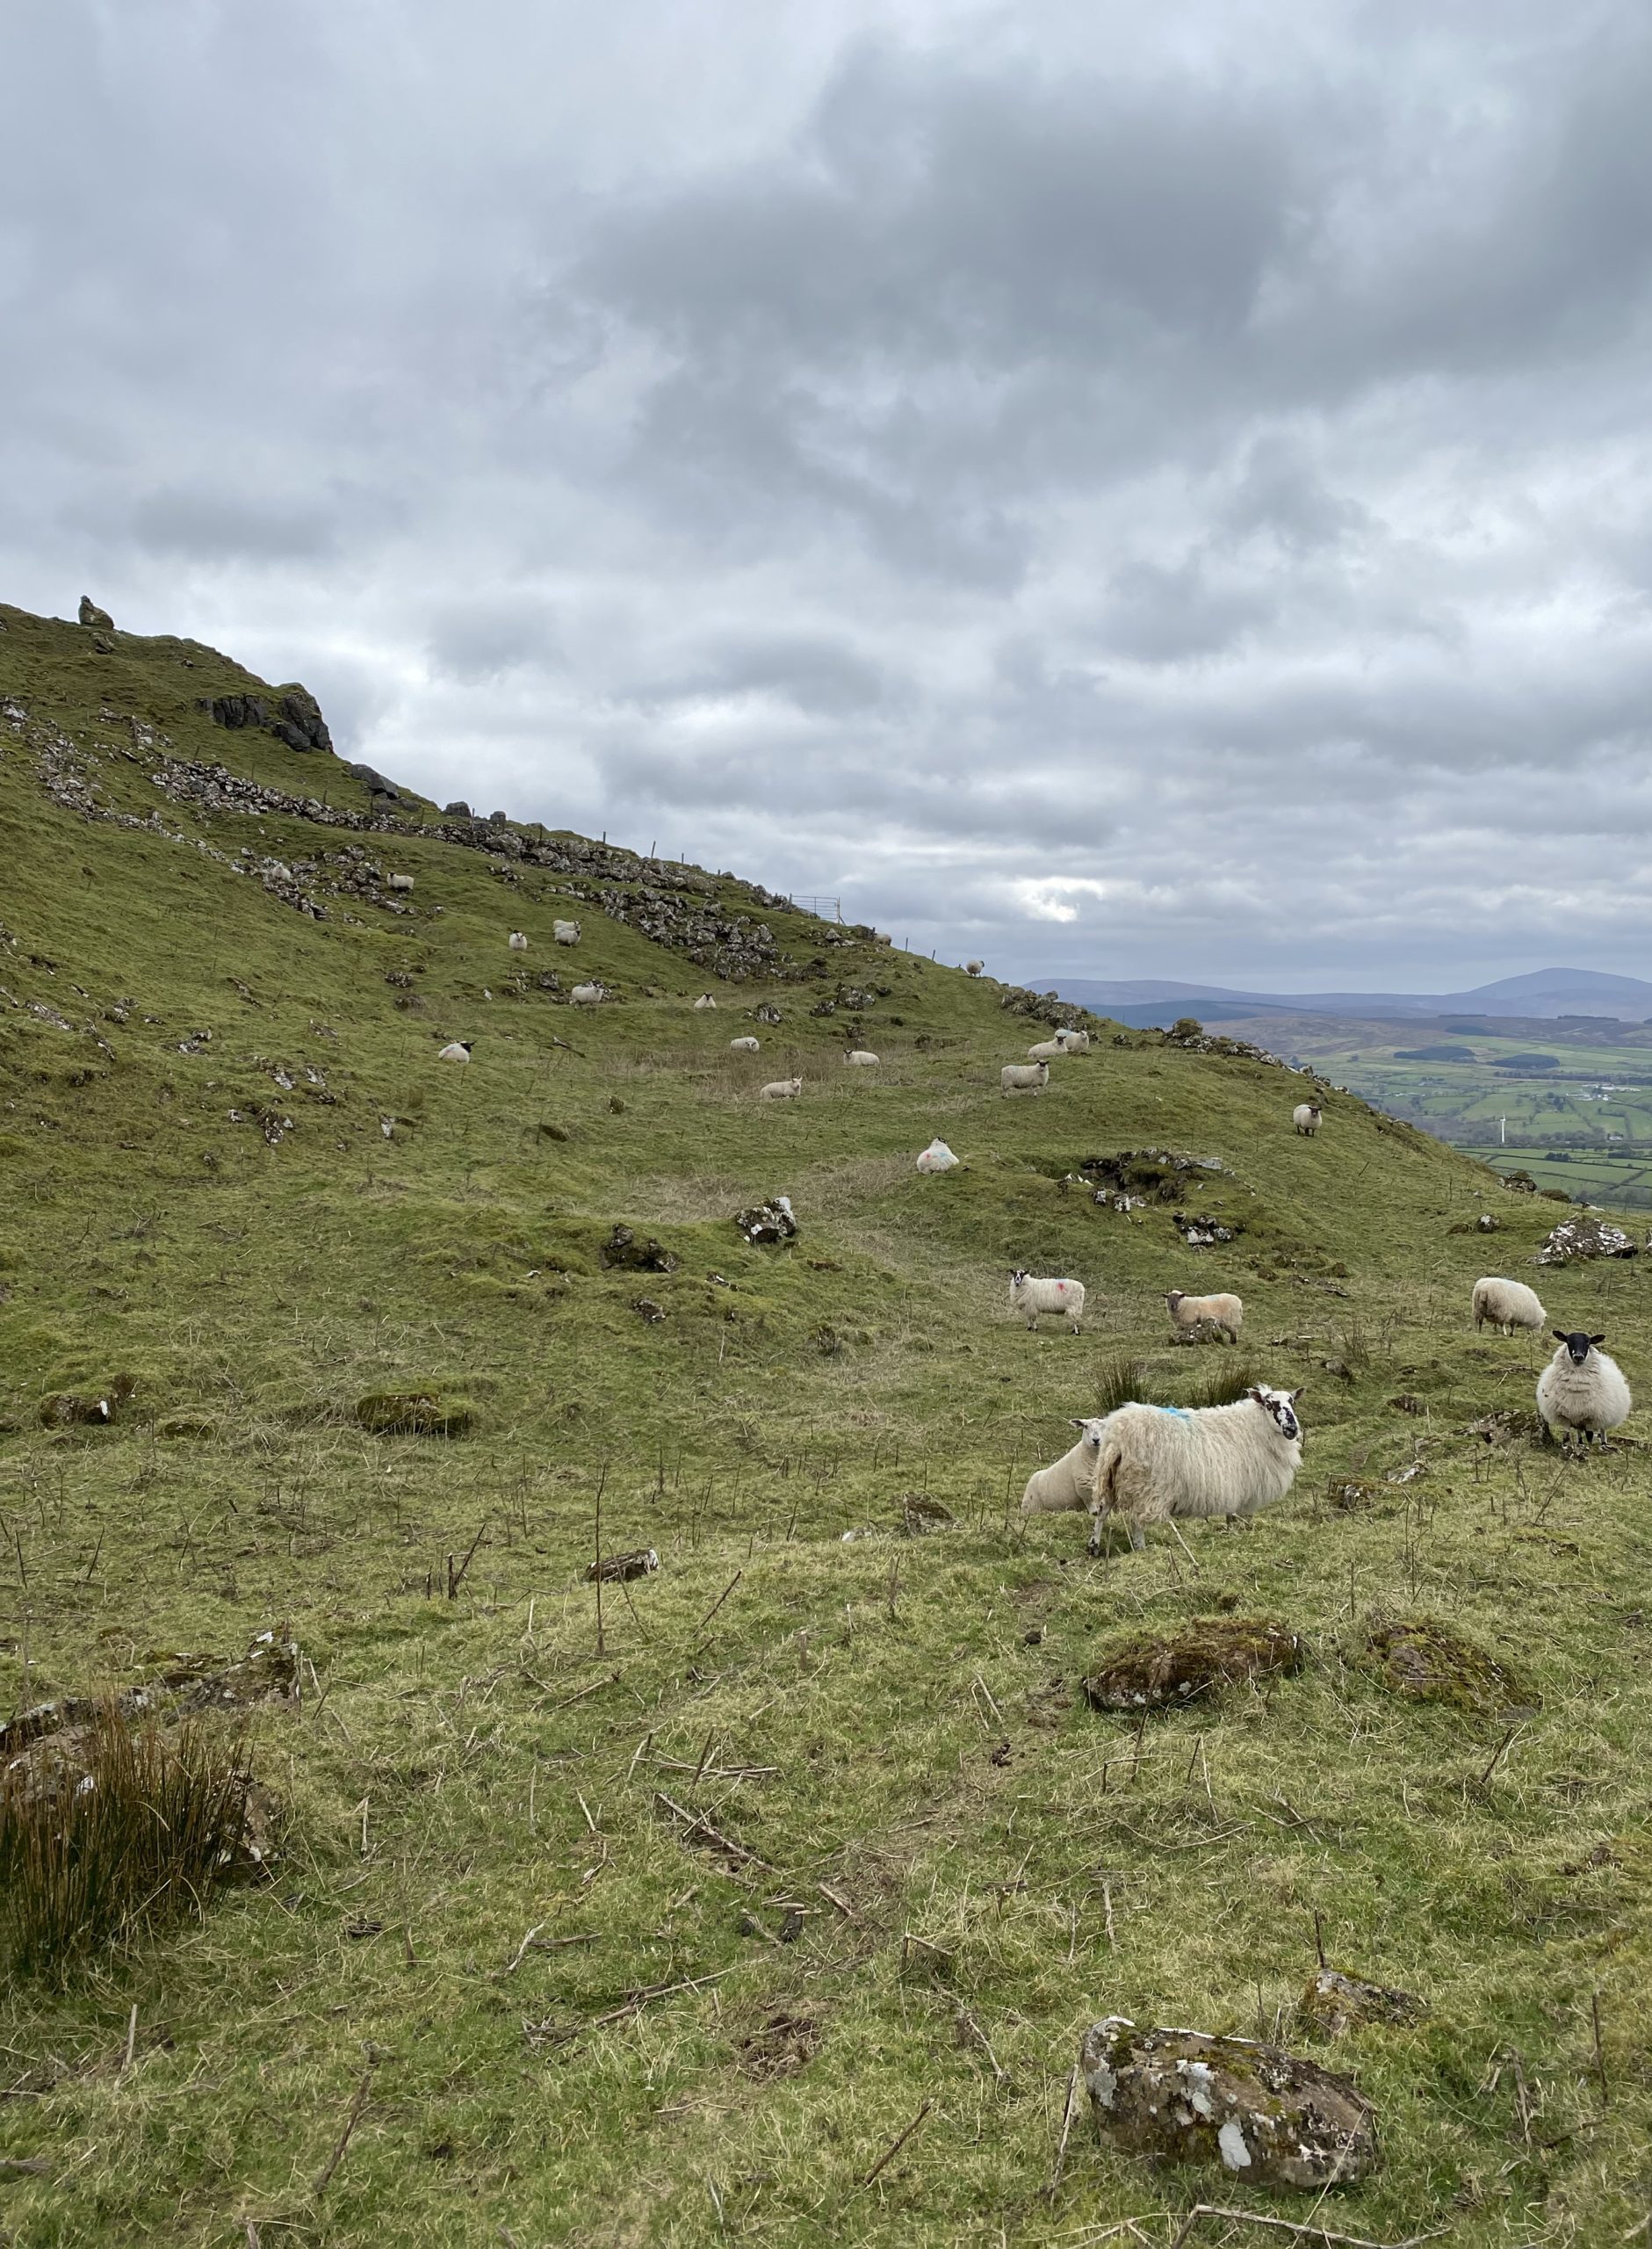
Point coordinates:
[(1507, 1304), (859, 1060), (401, 882), (1224, 1314), (1305, 1116), (1024, 1077), (937, 1157), (703, 1002), (746, 1045), (1157, 1462), (781, 1090), (517, 941), (1073, 1042), (1067, 1485), (458, 1050), (1582, 1392), (973, 967), (589, 995), (1032, 1295), (566, 933)]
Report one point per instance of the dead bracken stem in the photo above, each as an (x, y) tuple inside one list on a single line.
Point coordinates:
[(350, 2122), (897, 2143), (1066, 2128)]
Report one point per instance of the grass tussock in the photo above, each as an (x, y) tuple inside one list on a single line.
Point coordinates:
[(123, 1826)]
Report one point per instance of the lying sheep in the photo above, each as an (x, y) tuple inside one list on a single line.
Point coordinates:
[(1068, 1485), (1305, 1116), (566, 933), (589, 995), (1032, 1295), (1157, 1462), (458, 1050), (937, 1157), (1507, 1304), (859, 1060), (1073, 1042), (1048, 1050), (1024, 1077), (517, 941), (746, 1045), (781, 1090), (703, 1002), (1582, 1392), (973, 967), (1224, 1314)]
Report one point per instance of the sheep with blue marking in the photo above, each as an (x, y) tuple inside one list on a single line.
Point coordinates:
[(1157, 1463)]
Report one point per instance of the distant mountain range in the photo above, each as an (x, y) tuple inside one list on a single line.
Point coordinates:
[(1547, 991)]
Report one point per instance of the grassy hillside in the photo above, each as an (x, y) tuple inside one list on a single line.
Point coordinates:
[(909, 1864)]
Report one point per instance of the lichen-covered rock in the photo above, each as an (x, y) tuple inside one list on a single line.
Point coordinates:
[(621, 1569), (1334, 2003), (90, 614), (1349, 1494), (1268, 2118), (1427, 1661), (411, 1413), (920, 1514), (624, 1252), (768, 1222), (1585, 1236), (1155, 1671)]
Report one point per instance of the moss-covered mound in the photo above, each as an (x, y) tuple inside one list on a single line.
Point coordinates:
[(411, 1413), (1153, 1671), (1427, 1661)]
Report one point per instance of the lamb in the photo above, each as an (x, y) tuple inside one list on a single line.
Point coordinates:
[(1157, 1462), (1048, 1050), (1224, 1314), (1507, 1304), (1024, 1077), (589, 995), (746, 1045), (781, 1090), (517, 941), (973, 967), (401, 882), (702, 1003), (1305, 1116), (1033, 1296), (458, 1050), (566, 933), (1067, 1485), (1073, 1042), (860, 1059), (1582, 1392)]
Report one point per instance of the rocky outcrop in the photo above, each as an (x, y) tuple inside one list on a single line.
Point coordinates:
[(1574, 1240), (90, 614)]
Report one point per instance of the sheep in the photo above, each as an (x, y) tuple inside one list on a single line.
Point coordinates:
[(702, 1003), (781, 1090), (1068, 1485), (587, 996), (1024, 1077), (1157, 1462), (401, 882), (1224, 1314), (937, 1157), (1048, 1050), (746, 1045), (566, 933), (1305, 1116), (973, 967), (1033, 1296), (1507, 1304), (517, 941), (1582, 1392), (1073, 1042), (859, 1059), (458, 1050)]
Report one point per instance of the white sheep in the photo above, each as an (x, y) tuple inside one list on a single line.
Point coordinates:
[(1068, 1485), (1048, 1050), (401, 882), (973, 967), (589, 995), (1507, 1304), (702, 1003), (1157, 1462), (746, 1045), (1073, 1042), (1305, 1116), (1024, 1077), (1582, 1392), (1034, 1296), (458, 1050), (517, 941), (566, 933), (1224, 1314), (859, 1060), (937, 1157), (781, 1090)]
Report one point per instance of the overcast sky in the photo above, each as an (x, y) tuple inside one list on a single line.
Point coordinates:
[(1133, 492)]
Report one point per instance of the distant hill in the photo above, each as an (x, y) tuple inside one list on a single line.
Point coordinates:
[(1545, 992)]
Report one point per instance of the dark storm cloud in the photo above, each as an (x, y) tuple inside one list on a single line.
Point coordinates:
[(1144, 493)]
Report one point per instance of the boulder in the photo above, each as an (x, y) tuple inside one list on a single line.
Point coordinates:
[(1156, 1671), (300, 724), (623, 1252), (920, 1514), (90, 614), (768, 1222), (1268, 2118), (1585, 1236)]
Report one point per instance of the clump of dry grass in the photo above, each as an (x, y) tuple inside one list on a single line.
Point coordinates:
[(118, 1827)]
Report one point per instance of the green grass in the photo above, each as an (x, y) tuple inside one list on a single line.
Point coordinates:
[(571, 2009)]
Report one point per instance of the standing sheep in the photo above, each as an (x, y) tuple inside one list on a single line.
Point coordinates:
[(1157, 1462), (1073, 1042), (745, 1046), (1582, 1392), (400, 882), (1507, 1304), (589, 995), (1067, 1485), (566, 933), (1224, 1314), (973, 967), (1048, 1050), (1024, 1077), (702, 1003), (517, 941), (1305, 1116), (781, 1090), (1033, 1297), (859, 1060)]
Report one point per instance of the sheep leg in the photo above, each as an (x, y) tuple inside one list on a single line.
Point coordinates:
[(1138, 1539)]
